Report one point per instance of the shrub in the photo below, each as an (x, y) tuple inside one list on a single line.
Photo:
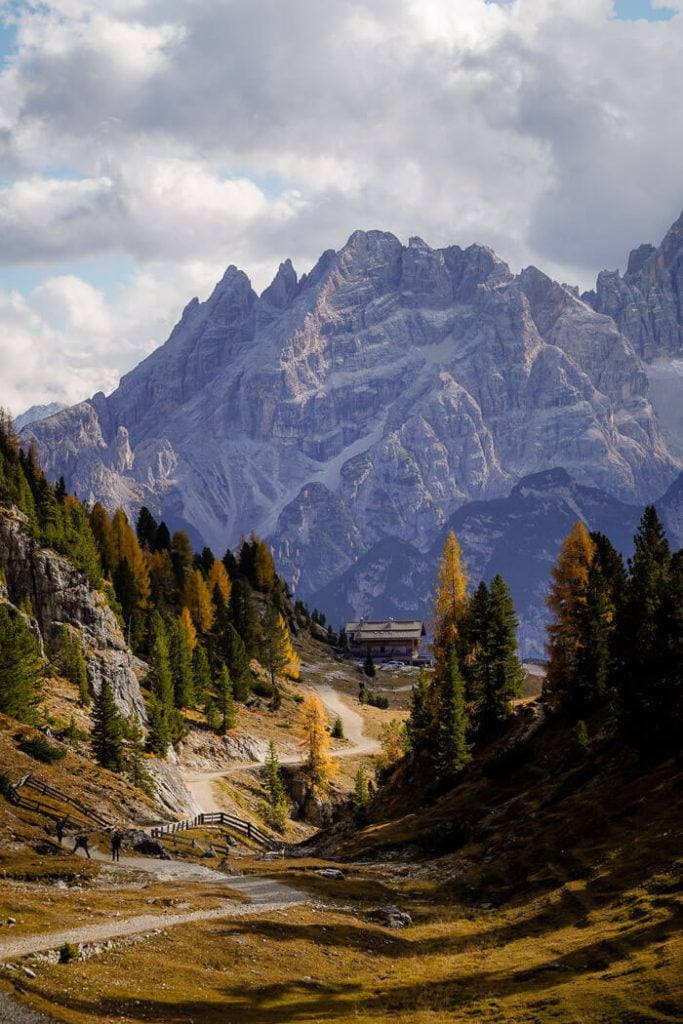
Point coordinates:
[(263, 689), (376, 701), (5, 784), (68, 953), (338, 729), (41, 749)]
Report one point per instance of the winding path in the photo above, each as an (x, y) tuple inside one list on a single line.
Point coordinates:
[(201, 783)]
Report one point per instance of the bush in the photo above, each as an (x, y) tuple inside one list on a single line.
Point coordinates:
[(376, 701), (68, 953), (338, 729), (5, 784), (41, 749), (263, 689)]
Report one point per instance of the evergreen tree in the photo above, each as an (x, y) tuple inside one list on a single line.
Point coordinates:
[(369, 665), (593, 656), (180, 657), (159, 735), (181, 557), (107, 730), (163, 538), (642, 636), (146, 529), (21, 668), (224, 700), (420, 718), (159, 678), (135, 768), (507, 675), (201, 673), (452, 748), (277, 796), (238, 663), (243, 616), (361, 795)]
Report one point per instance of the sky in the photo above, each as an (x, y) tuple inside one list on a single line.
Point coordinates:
[(145, 145)]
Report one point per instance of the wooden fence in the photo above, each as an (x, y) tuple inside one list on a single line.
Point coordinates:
[(246, 828), (38, 786)]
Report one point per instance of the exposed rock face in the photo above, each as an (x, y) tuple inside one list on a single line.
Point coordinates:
[(371, 398), (647, 302), (518, 537), (60, 594), (671, 510)]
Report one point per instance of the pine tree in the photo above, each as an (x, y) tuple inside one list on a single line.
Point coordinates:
[(180, 657), (450, 600), (420, 718), (135, 768), (224, 700), (507, 675), (237, 661), (593, 657), (146, 529), (159, 735), (452, 748), (243, 616), (361, 795), (642, 636), (369, 665), (201, 672), (565, 601), (181, 556), (21, 668), (107, 730), (159, 678), (273, 779)]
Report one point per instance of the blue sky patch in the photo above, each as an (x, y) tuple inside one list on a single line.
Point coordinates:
[(634, 10)]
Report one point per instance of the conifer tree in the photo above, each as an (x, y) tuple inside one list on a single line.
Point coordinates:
[(369, 665), (159, 735), (159, 678), (21, 668), (642, 635), (452, 748), (319, 766), (273, 780), (201, 673), (181, 556), (224, 700), (361, 795), (507, 675), (238, 663), (146, 529), (243, 616), (276, 649), (218, 578), (135, 768), (197, 599), (565, 601), (450, 599), (107, 730), (188, 625), (420, 718), (180, 656)]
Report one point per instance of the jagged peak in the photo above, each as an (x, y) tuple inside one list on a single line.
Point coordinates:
[(283, 287)]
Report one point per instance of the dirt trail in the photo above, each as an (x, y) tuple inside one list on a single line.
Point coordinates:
[(262, 893), (201, 784)]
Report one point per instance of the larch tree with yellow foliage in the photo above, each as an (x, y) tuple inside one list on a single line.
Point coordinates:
[(189, 627), (197, 599), (218, 578), (450, 599), (277, 653), (566, 601), (318, 766)]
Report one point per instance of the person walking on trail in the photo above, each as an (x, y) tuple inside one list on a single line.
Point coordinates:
[(59, 829), (115, 845), (82, 844)]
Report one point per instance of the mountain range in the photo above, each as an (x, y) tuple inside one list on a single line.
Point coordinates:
[(353, 414)]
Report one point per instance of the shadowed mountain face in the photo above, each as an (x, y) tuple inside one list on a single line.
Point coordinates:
[(518, 536), (370, 399)]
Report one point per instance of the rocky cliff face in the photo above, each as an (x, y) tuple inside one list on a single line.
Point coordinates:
[(60, 594), (371, 398), (647, 302)]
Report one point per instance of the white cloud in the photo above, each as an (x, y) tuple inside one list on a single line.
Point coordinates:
[(184, 137)]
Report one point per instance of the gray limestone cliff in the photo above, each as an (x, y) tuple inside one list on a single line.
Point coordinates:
[(59, 595)]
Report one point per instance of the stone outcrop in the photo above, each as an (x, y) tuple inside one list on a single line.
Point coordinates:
[(647, 302), (60, 594)]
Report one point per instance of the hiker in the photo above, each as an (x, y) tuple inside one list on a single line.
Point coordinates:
[(82, 844), (59, 828), (115, 845)]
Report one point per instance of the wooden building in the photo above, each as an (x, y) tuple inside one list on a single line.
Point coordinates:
[(386, 640)]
